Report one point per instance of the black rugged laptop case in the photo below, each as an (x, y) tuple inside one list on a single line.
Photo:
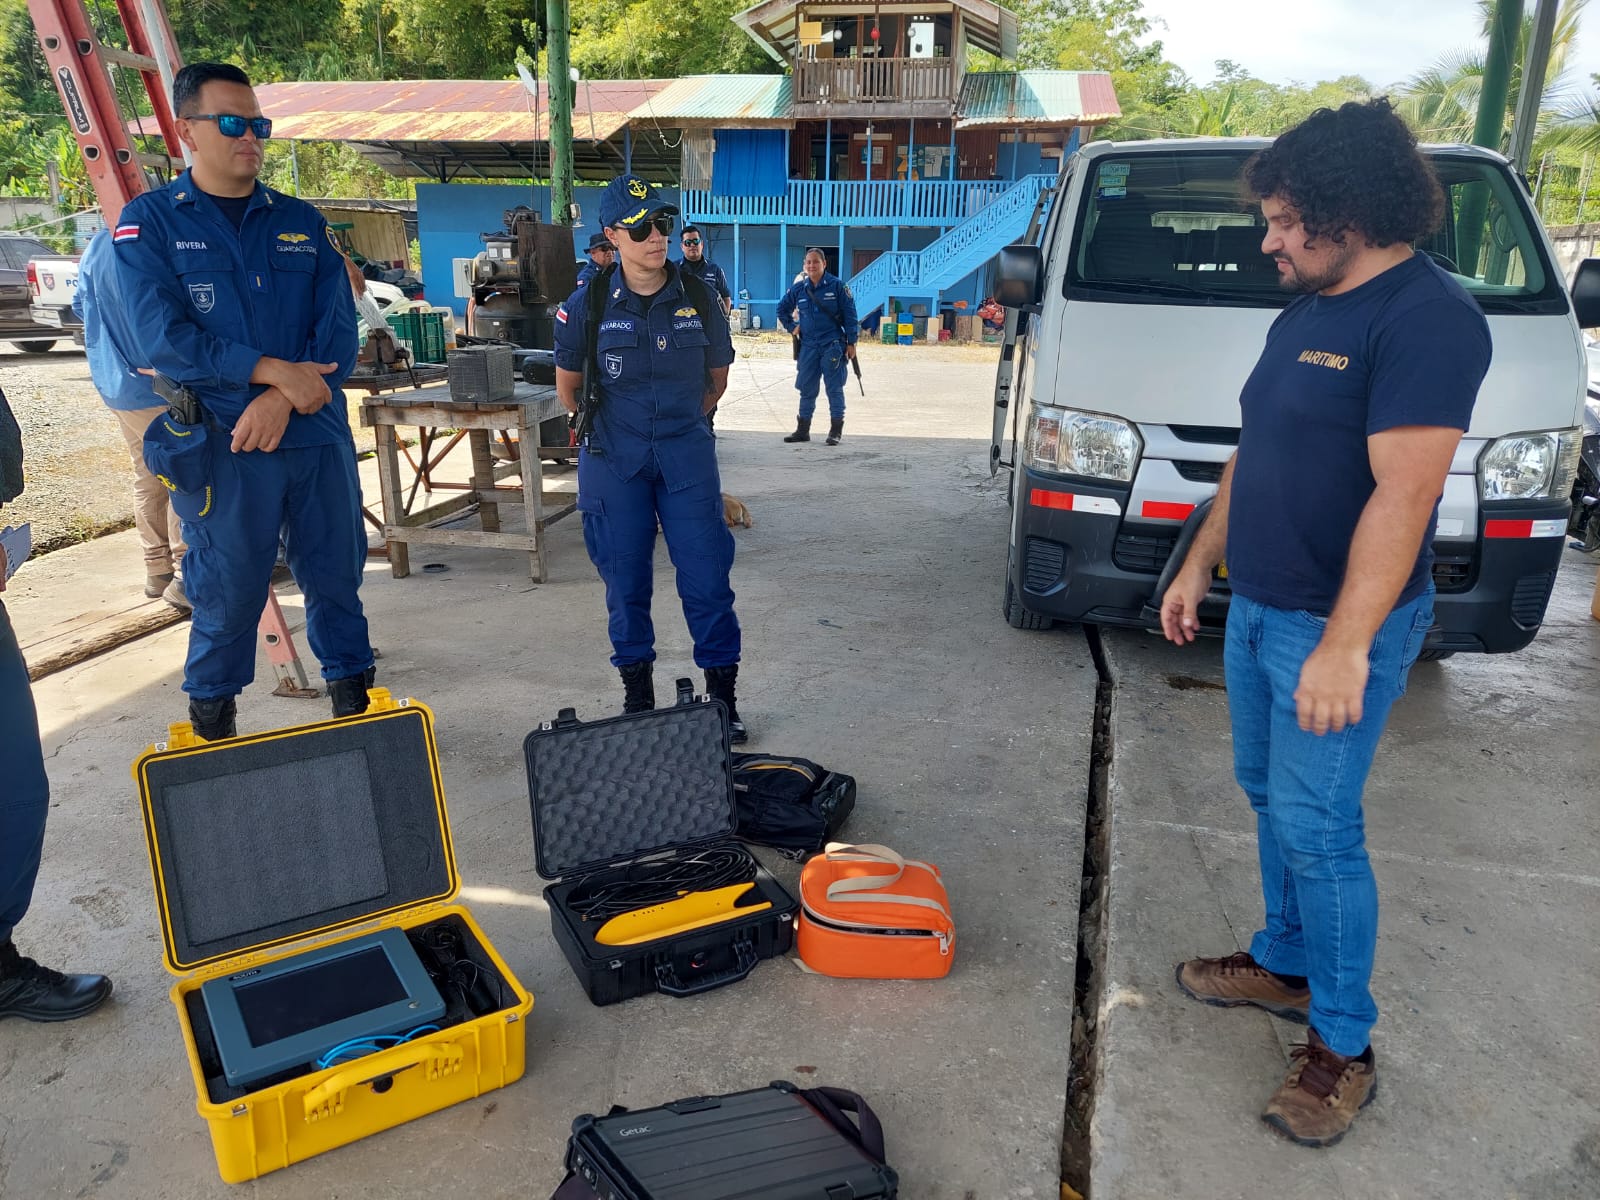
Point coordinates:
[(772, 1143), (608, 793)]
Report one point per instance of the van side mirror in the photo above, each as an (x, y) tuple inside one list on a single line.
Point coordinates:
[(1022, 276), (1586, 293)]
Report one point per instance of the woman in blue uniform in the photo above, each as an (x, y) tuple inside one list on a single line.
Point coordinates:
[(658, 349)]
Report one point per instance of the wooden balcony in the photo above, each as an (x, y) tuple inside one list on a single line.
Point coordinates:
[(890, 87)]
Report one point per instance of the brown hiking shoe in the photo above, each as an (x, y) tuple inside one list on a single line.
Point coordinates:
[(1322, 1094), (1235, 980)]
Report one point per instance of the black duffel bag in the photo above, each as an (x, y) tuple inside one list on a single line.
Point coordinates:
[(791, 804)]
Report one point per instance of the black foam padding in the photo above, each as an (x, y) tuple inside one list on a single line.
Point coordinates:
[(605, 791), (269, 837)]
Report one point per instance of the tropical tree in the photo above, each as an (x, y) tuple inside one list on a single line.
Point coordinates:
[(1441, 102)]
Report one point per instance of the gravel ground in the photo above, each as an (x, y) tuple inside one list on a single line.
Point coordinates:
[(79, 480)]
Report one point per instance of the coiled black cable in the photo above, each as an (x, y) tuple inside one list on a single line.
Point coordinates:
[(642, 884)]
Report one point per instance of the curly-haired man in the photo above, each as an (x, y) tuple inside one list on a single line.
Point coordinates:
[(1326, 514)]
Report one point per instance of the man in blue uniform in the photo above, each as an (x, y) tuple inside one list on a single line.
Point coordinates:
[(239, 292), (601, 255), (702, 268), (109, 345), (657, 349), (827, 331), (1380, 357)]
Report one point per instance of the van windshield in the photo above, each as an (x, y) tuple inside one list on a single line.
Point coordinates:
[(1175, 228)]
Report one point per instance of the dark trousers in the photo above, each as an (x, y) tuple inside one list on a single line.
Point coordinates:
[(619, 529), (24, 790), (310, 498)]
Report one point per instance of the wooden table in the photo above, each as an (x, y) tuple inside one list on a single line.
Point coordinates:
[(432, 408)]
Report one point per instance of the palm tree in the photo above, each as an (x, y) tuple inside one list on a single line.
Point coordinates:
[(1441, 102)]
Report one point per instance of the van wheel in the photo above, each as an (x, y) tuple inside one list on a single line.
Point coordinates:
[(33, 347), (1435, 655), (1018, 617)]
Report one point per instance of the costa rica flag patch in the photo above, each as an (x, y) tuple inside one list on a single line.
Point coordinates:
[(126, 233)]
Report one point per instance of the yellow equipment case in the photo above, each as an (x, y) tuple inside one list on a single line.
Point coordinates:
[(269, 845)]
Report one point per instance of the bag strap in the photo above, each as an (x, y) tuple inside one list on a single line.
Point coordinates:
[(833, 1103), (868, 889), (594, 307)]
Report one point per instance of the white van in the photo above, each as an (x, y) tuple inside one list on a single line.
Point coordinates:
[(1137, 318)]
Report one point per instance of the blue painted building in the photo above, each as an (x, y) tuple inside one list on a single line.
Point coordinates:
[(875, 144)]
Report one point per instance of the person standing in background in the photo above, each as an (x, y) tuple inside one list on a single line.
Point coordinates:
[(113, 364), (820, 311), (702, 268)]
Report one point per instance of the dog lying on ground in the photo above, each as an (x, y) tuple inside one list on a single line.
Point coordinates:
[(735, 512)]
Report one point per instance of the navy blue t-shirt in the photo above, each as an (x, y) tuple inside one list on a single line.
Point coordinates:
[(1409, 347)]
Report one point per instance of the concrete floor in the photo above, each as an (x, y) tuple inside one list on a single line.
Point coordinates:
[(869, 591), (1483, 827)]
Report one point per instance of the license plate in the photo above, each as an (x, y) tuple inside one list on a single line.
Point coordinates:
[(47, 316)]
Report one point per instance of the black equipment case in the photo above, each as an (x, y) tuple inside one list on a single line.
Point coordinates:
[(772, 1143), (626, 794)]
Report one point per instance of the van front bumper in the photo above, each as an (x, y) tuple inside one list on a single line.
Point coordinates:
[(1076, 559)]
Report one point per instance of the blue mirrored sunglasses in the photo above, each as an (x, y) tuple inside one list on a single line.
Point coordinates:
[(232, 125)]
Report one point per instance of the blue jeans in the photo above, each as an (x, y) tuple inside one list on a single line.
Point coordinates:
[(25, 794), (1320, 896)]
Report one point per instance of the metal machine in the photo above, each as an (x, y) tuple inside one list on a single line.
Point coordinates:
[(520, 278)]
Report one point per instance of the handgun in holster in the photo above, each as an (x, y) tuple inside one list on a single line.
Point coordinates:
[(183, 404)]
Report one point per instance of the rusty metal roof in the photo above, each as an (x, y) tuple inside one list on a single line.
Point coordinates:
[(444, 110), (1024, 98), (440, 128), (741, 101)]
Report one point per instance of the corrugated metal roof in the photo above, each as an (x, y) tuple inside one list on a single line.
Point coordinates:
[(443, 110), (1036, 98), (740, 100)]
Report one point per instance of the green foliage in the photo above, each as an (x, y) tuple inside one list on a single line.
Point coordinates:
[(645, 39), (1441, 101), (331, 170)]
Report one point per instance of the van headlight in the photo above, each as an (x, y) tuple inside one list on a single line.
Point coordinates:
[(1069, 442), (1530, 466)]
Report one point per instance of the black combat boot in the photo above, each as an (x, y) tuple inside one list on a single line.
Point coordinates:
[(835, 432), (638, 687), (802, 431), (214, 720), (349, 695), (720, 686), (40, 994)]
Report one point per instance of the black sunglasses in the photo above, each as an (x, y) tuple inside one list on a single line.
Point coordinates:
[(642, 232), (233, 126), (694, 241)]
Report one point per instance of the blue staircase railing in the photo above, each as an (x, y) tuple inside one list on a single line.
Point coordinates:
[(961, 251)]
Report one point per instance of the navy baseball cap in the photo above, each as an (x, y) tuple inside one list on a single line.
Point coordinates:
[(628, 200), (600, 242), (177, 455)]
